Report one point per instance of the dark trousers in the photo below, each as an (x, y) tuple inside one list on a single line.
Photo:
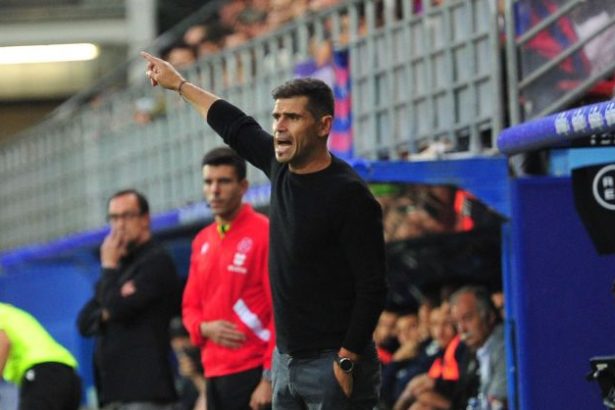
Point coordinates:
[(50, 386), (232, 392)]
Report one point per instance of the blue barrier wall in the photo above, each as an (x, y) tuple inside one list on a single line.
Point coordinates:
[(54, 292), (558, 297)]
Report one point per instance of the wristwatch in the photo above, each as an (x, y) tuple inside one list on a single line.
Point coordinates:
[(345, 364)]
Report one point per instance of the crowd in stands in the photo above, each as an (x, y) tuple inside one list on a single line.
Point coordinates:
[(236, 22), (445, 353), (240, 21)]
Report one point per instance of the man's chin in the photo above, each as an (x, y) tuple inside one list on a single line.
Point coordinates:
[(282, 159)]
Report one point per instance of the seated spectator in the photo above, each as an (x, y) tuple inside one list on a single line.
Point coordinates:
[(229, 11), (451, 378), (407, 329), (181, 56), (213, 42), (194, 35), (191, 381), (385, 336), (284, 11), (252, 22), (480, 329), (497, 298), (414, 356), (318, 5)]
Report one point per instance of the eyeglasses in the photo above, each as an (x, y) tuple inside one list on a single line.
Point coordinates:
[(112, 218)]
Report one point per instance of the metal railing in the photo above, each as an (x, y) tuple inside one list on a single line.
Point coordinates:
[(415, 79), (576, 29)]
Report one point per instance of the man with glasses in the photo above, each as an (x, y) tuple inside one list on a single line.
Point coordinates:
[(136, 297)]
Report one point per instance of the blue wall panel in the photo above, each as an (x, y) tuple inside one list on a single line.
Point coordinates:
[(54, 293), (559, 297)]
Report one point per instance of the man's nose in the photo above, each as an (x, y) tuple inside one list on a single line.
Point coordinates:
[(214, 188), (279, 125)]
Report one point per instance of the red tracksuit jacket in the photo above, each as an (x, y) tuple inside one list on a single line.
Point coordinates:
[(229, 280)]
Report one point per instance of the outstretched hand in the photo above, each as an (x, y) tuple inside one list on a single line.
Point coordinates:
[(161, 72)]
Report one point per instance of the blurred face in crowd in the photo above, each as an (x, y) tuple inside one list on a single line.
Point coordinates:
[(407, 328), (441, 325), (126, 218), (223, 191), (473, 325), (181, 57), (385, 329), (424, 314), (298, 135)]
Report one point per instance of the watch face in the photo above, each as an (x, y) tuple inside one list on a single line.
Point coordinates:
[(345, 364)]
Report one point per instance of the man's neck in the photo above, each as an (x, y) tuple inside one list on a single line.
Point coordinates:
[(228, 219), (314, 165)]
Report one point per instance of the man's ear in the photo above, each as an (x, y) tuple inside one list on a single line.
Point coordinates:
[(244, 185), (325, 124)]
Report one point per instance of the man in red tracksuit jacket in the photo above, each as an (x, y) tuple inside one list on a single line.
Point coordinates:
[(227, 300)]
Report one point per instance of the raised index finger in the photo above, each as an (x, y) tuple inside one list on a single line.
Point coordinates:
[(148, 57)]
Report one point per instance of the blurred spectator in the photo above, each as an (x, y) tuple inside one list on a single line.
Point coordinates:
[(480, 329), (235, 39), (318, 5), (42, 368), (213, 42), (284, 11), (229, 11), (262, 5), (497, 298), (404, 367), (191, 381), (385, 336), (148, 108), (407, 330), (181, 55), (251, 22), (322, 52), (451, 379), (194, 35)]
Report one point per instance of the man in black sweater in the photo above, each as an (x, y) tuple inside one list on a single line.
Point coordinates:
[(327, 261), (136, 296)]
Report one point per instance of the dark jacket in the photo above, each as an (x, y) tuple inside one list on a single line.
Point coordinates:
[(132, 350)]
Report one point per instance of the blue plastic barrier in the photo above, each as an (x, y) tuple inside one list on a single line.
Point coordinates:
[(558, 129)]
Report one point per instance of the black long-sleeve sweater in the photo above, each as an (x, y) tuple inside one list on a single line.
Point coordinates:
[(327, 262)]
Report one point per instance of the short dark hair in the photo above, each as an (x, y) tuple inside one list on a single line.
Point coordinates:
[(319, 94), (141, 199), (226, 156)]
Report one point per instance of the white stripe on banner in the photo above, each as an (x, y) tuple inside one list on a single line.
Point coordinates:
[(251, 320)]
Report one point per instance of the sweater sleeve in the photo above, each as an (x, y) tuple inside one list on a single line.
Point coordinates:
[(242, 133), (362, 237)]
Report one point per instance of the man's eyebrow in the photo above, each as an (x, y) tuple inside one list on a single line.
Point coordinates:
[(286, 113)]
